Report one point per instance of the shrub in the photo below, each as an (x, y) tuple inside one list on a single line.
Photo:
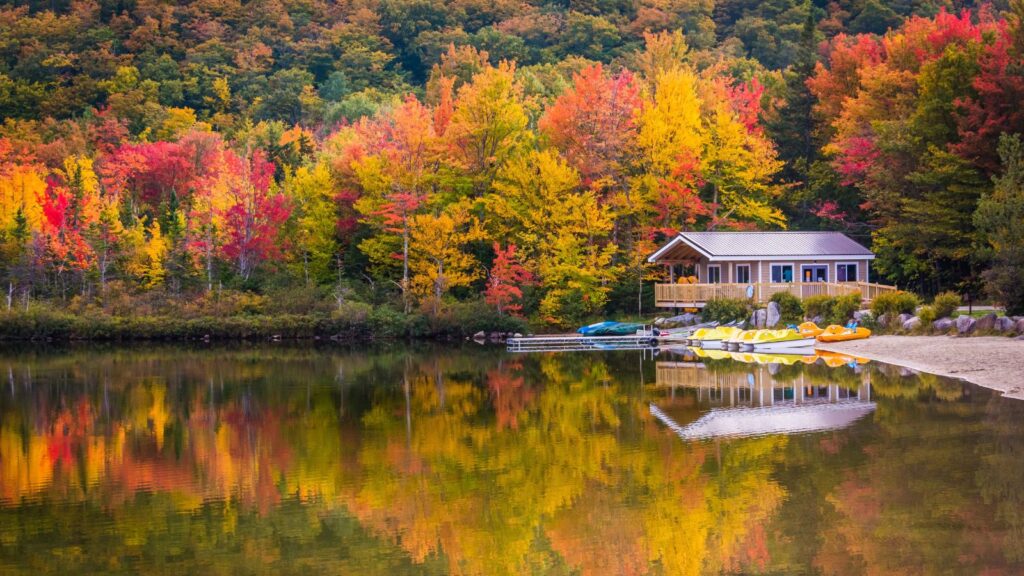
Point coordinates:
[(725, 310), (928, 314), (820, 305), (467, 318), (945, 304), (843, 308), (790, 307), (894, 303)]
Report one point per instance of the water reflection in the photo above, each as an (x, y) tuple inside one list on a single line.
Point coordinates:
[(478, 462), (758, 400)]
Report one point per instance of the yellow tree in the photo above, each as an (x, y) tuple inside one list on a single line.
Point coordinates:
[(150, 251), (312, 191), (438, 259), (563, 231), (488, 124)]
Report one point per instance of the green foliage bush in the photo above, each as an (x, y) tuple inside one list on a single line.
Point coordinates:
[(843, 308), (927, 314), (894, 303), (790, 306), (725, 310), (820, 305), (945, 304), (467, 318)]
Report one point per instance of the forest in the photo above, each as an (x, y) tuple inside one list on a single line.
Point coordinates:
[(514, 159)]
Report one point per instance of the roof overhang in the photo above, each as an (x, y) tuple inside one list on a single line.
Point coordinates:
[(790, 258), (678, 249)]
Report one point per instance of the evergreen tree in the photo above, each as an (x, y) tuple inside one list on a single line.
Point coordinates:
[(1000, 216)]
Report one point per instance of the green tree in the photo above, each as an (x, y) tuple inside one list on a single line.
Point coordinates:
[(1000, 217)]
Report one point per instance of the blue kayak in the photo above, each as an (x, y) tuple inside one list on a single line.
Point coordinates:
[(609, 328)]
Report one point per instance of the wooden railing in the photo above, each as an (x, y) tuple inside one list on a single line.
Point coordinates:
[(695, 295)]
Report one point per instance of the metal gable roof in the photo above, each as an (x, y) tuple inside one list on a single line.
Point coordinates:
[(774, 244)]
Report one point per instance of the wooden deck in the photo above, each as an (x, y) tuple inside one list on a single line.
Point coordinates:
[(696, 295)]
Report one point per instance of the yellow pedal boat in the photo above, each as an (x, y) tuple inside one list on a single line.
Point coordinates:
[(836, 333)]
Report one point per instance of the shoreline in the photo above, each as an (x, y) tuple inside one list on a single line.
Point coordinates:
[(990, 361)]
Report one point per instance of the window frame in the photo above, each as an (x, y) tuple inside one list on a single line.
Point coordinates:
[(736, 273), (804, 267), (771, 272), (717, 267), (856, 267)]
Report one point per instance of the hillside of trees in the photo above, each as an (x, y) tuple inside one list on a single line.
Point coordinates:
[(522, 158)]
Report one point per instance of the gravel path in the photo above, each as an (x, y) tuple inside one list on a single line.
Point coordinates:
[(989, 361)]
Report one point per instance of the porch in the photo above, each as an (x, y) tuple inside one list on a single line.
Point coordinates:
[(696, 295)]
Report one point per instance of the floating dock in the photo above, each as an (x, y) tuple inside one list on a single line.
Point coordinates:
[(580, 343)]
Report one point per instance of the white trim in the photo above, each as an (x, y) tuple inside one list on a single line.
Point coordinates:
[(672, 243), (665, 248), (825, 266), (719, 266), (856, 265), (736, 273), (771, 265), (830, 257)]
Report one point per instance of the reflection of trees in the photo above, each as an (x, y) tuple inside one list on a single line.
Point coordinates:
[(465, 463), (917, 502), (472, 462), (607, 496), (1001, 470)]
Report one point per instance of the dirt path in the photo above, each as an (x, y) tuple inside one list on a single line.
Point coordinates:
[(989, 361)]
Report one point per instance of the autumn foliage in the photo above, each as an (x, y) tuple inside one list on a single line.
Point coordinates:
[(556, 167)]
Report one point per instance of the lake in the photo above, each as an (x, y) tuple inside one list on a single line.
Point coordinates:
[(305, 459)]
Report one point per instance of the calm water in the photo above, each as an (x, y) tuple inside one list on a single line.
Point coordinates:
[(475, 461)]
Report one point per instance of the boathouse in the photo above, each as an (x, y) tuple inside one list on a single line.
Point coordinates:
[(756, 265)]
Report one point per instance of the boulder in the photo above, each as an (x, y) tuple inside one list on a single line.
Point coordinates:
[(912, 324), (902, 318), (759, 318), (1019, 329), (965, 324), (986, 323), (659, 321), (517, 335), (943, 325), (862, 315), (481, 335), (774, 314), (819, 320), (883, 320), (1004, 324), (681, 320)]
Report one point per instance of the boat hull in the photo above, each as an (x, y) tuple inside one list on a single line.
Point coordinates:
[(787, 346)]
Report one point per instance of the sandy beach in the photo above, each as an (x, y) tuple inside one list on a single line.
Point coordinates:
[(990, 361)]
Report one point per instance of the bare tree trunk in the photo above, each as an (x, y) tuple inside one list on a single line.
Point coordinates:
[(640, 294), (405, 264), (209, 267), (10, 294)]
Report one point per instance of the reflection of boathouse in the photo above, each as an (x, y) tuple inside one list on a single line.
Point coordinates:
[(754, 402)]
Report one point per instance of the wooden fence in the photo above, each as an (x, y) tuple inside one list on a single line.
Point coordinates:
[(696, 295)]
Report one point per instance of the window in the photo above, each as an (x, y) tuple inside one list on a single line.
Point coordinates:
[(814, 273), (782, 273), (714, 274), (846, 272), (743, 273)]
